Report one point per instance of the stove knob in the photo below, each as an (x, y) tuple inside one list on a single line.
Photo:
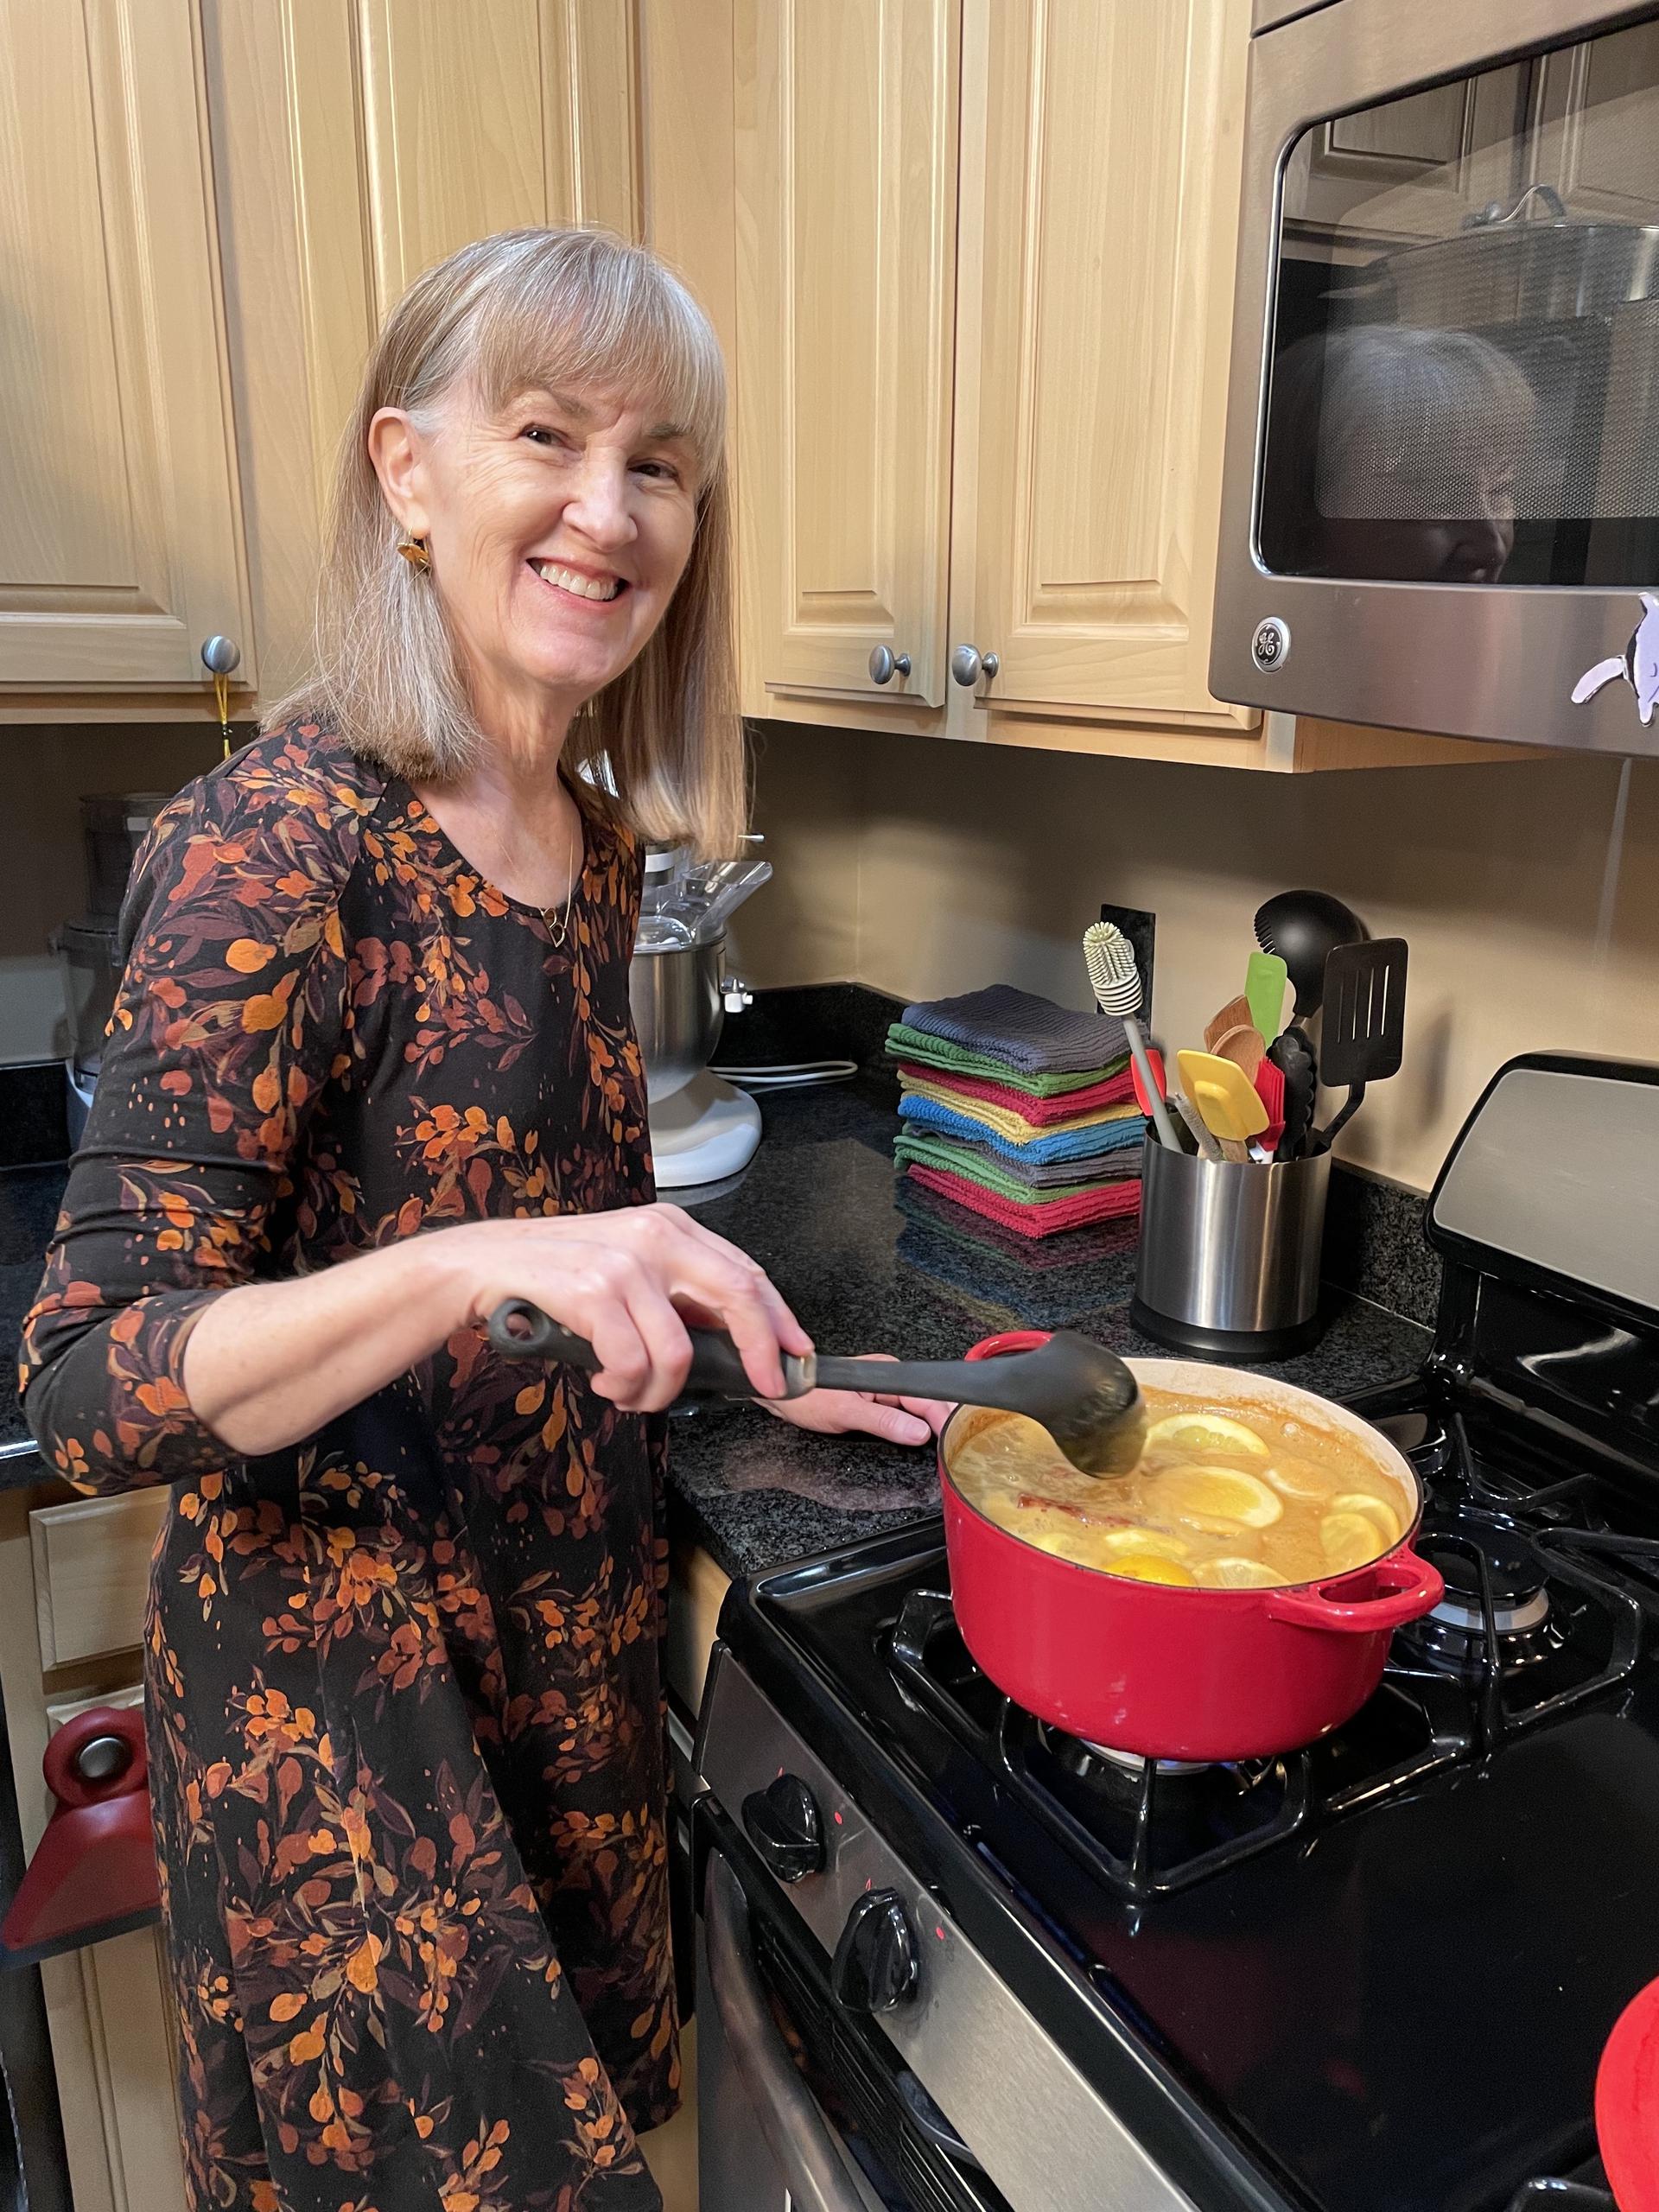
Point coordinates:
[(876, 1962), (783, 1823)]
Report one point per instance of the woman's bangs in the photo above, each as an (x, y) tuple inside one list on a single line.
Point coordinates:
[(619, 325)]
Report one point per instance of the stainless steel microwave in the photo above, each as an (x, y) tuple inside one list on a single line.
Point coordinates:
[(1441, 501)]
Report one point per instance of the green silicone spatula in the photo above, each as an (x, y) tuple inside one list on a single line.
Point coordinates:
[(1265, 979)]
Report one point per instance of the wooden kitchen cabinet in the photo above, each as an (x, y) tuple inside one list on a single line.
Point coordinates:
[(355, 142), (206, 208), (845, 175), (121, 524), (984, 265), (1104, 144)]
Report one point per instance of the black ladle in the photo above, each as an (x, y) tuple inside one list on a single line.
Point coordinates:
[(1305, 928), (1082, 1394)]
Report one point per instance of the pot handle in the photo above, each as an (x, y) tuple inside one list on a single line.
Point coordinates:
[(1407, 1587)]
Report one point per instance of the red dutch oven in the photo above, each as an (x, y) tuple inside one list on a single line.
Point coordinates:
[(1627, 2105), (1175, 1673)]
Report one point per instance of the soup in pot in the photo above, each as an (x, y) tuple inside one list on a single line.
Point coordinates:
[(1222, 1497)]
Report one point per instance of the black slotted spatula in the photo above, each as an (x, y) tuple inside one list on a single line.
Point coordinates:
[(1364, 1036)]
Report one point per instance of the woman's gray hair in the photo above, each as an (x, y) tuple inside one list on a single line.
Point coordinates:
[(528, 309)]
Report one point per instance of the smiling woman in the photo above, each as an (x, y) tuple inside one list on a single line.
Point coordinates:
[(537, 388), (372, 1072)]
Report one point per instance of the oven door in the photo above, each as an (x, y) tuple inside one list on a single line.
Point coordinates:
[(802, 2106), (1441, 504)]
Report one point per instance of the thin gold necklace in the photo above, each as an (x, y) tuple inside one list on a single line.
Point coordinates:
[(557, 932)]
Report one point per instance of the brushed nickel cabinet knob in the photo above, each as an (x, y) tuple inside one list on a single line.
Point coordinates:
[(968, 664)]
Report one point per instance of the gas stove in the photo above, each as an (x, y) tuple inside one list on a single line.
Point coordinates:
[(1376, 1975)]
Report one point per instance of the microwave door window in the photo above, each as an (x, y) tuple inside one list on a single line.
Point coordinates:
[(1464, 379)]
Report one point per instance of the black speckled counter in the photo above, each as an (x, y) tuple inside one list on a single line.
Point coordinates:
[(819, 1209)]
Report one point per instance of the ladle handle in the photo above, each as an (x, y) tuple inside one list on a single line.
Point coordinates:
[(521, 1331)]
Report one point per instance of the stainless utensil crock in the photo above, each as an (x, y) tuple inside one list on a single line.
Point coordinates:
[(1229, 1260)]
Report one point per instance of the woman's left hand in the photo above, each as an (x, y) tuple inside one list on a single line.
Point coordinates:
[(871, 1413)]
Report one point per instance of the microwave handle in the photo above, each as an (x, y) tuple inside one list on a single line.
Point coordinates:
[(794, 2128)]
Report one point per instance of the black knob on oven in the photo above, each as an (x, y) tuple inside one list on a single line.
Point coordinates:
[(876, 1962), (784, 1824)]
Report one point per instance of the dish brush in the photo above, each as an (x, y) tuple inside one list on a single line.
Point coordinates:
[(1115, 982)]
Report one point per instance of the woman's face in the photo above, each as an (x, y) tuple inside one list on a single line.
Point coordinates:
[(557, 533)]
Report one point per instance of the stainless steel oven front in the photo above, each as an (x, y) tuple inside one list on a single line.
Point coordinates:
[(1441, 507)]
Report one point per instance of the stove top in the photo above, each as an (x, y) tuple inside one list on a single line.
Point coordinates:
[(1544, 1612), (1376, 1975), (1387, 1964)]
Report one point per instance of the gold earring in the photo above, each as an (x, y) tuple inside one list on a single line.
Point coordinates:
[(414, 552)]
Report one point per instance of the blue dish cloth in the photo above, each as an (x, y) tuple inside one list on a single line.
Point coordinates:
[(1026, 1031), (1054, 1144)]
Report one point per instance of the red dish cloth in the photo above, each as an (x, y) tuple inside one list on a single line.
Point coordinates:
[(1041, 1218), (1115, 1090)]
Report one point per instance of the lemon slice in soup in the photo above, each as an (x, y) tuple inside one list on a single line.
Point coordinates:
[(1070, 1543), (1159, 1542), (1235, 1573), (1350, 1539), (1375, 1509), (1298, 1478), (1211, 1494), (1149, 1567), (1194, 1432)]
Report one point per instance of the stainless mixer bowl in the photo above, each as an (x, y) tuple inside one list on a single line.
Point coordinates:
[(677, 1013)]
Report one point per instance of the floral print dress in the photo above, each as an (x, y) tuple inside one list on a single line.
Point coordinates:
[(403, 1692)]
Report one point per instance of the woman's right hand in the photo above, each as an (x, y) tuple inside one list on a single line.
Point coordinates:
[(630, 1282)]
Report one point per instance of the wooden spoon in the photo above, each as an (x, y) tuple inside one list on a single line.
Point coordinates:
[(1235, 1014), (1245, 1046)]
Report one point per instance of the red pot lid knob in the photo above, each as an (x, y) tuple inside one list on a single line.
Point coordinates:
[(1627, 2104)]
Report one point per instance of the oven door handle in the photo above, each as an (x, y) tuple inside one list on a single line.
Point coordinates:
[(796, 2130)]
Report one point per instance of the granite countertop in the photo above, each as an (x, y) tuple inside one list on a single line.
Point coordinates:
[(820, 1210)]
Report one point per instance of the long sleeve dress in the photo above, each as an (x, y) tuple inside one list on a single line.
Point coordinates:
[(402, 1680)]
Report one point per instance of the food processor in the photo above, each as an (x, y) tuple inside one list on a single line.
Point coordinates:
[(702, 1129)]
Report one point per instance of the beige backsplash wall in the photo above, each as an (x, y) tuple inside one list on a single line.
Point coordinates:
[(925, 867)]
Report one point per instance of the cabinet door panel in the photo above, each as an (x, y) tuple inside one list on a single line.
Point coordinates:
[(1596, 139), (356, 142), (120, 529), (474, 122), (846, 184), (1112, 144)]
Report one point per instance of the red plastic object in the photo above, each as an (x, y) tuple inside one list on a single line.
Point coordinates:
[(1155, 1062), (1172, 1672), (1270, 1090), (96, 1864), (1627, 2104)]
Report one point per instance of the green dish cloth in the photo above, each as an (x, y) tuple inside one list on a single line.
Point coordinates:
[(962, 1160), (907, 1044)]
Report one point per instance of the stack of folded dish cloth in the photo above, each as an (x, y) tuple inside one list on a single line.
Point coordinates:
[(1019, 1109)]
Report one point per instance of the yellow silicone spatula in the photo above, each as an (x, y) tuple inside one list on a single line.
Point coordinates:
[(1225, 1098)]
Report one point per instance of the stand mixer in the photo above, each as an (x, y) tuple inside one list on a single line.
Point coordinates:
[(702, 1129)]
